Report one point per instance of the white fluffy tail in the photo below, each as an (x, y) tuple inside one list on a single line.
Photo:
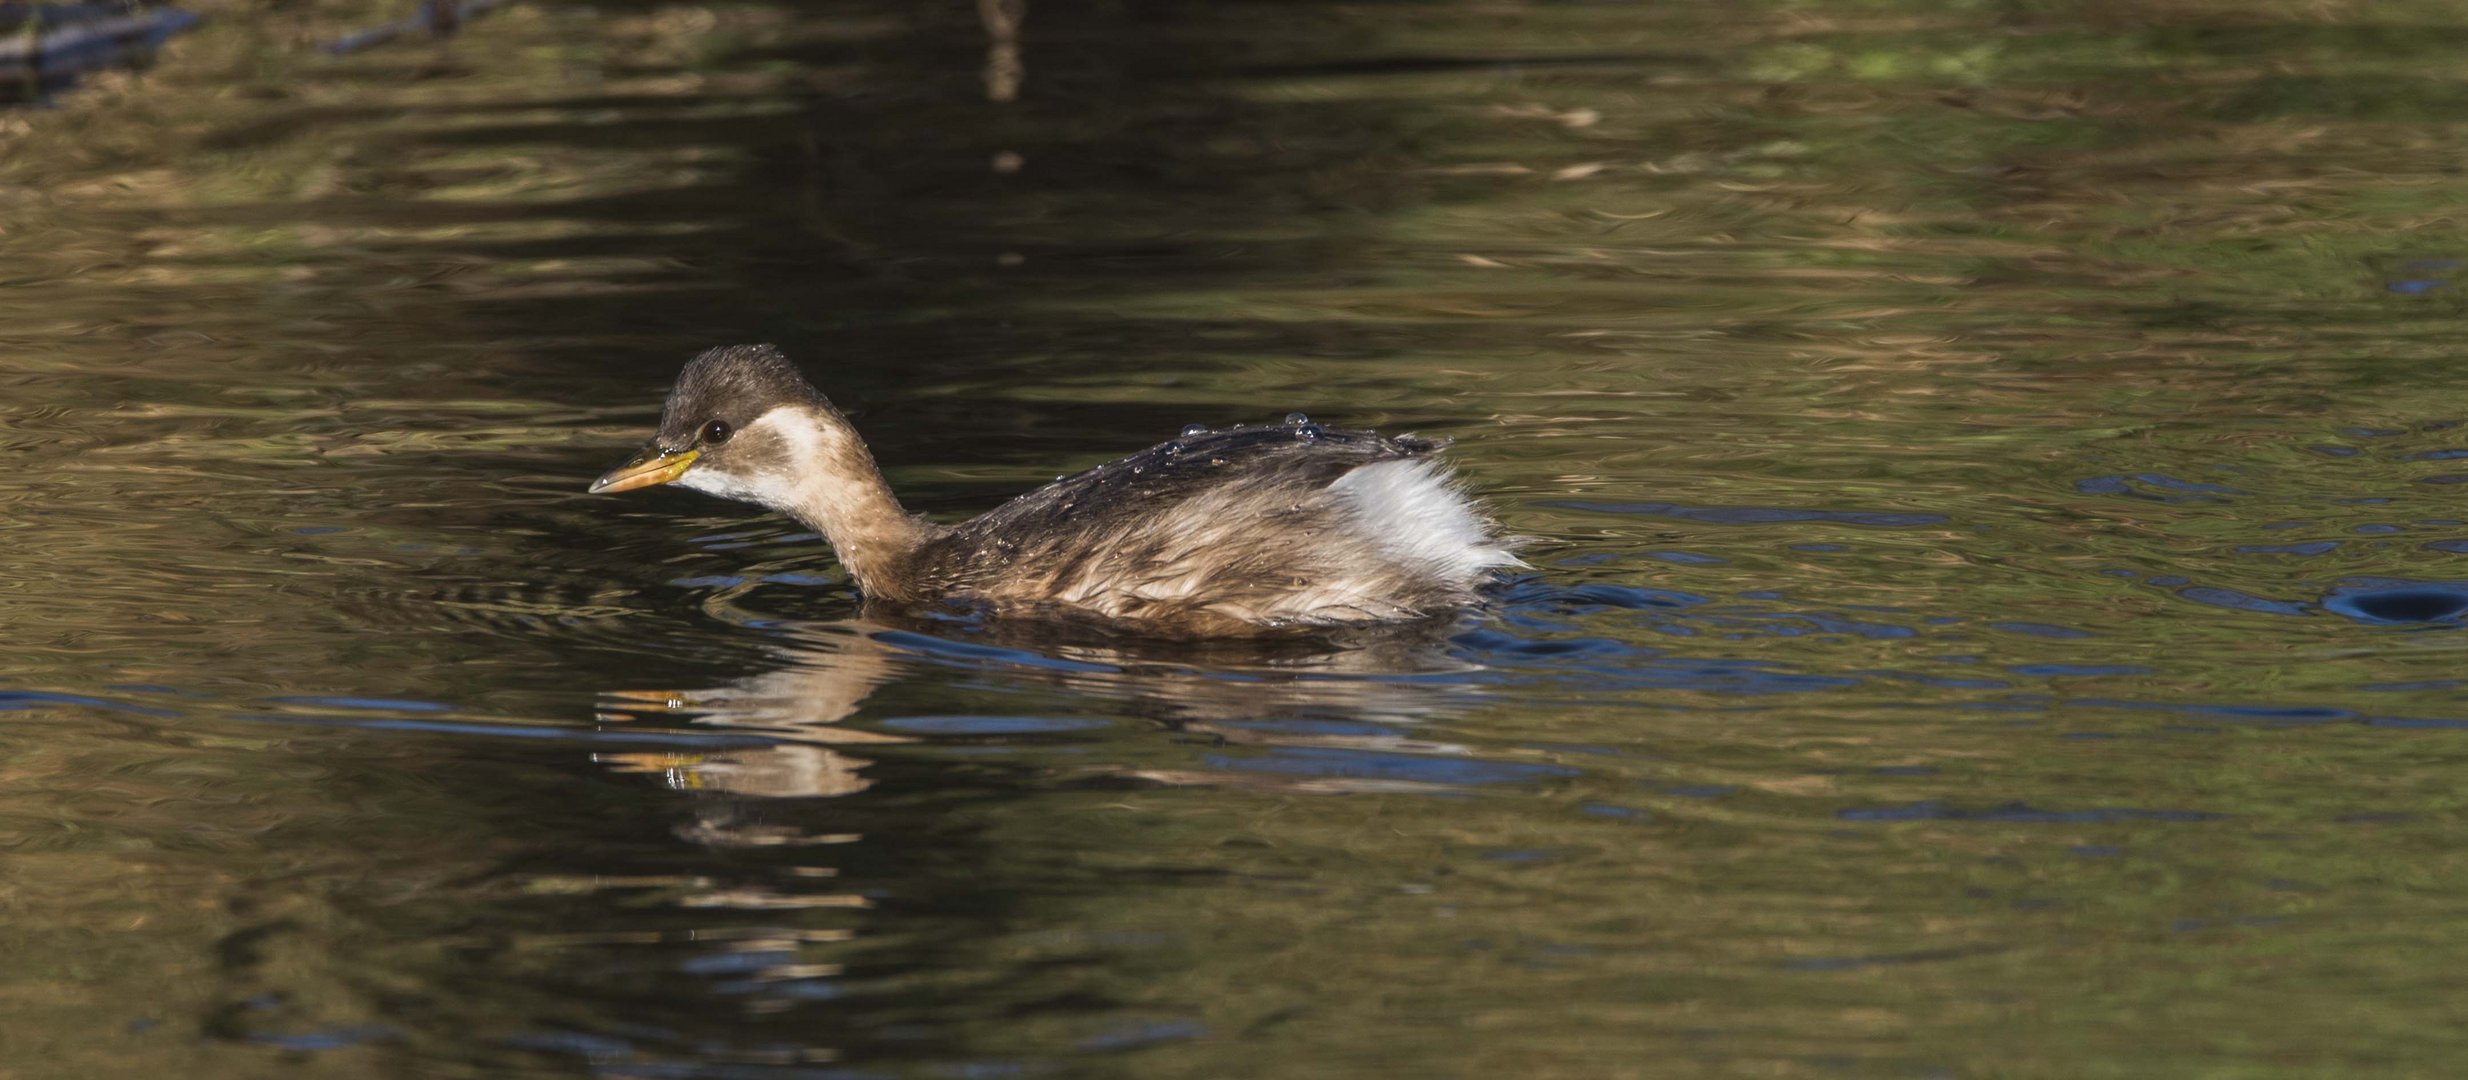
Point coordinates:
[(1413, 509)]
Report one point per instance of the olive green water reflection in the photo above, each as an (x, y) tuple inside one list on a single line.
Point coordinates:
[(1953, 434)]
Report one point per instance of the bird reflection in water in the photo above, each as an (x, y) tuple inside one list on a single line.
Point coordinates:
[(1351, 692)]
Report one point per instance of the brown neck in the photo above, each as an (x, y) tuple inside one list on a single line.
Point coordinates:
[(841, 494)]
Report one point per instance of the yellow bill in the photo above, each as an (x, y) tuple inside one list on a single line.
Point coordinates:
[(652, 466)]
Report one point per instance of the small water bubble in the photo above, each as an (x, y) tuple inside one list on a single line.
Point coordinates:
[(1296, 419), (1194, 429), (1138, 469), (1306, 432)]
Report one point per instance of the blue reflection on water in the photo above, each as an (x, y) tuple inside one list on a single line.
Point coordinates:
[(2317, 547), (1143, 1033), (2387, 601), (2293, 714), (2231, 598), (2155, 487), (13, 700), (1686, 558), (372, 704)]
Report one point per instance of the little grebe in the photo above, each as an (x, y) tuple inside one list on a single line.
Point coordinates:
[(1239, 531)]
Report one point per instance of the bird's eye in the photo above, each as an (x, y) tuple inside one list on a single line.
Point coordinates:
[(715, 432)]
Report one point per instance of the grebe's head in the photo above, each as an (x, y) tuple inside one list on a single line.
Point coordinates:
[(741, 423)]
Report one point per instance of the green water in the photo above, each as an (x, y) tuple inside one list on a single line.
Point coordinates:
[(1992, 472)]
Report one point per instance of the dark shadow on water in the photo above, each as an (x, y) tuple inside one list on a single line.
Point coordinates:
[(2381, 601), (858, 209)]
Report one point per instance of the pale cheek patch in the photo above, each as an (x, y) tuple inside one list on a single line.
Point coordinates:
[(726, 485), (780, 441)]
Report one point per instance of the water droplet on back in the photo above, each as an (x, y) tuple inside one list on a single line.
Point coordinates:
[(1297, 419), (1194, 429), (1306, 431)]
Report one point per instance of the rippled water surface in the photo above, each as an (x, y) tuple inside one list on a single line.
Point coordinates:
[(1995, 472)]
